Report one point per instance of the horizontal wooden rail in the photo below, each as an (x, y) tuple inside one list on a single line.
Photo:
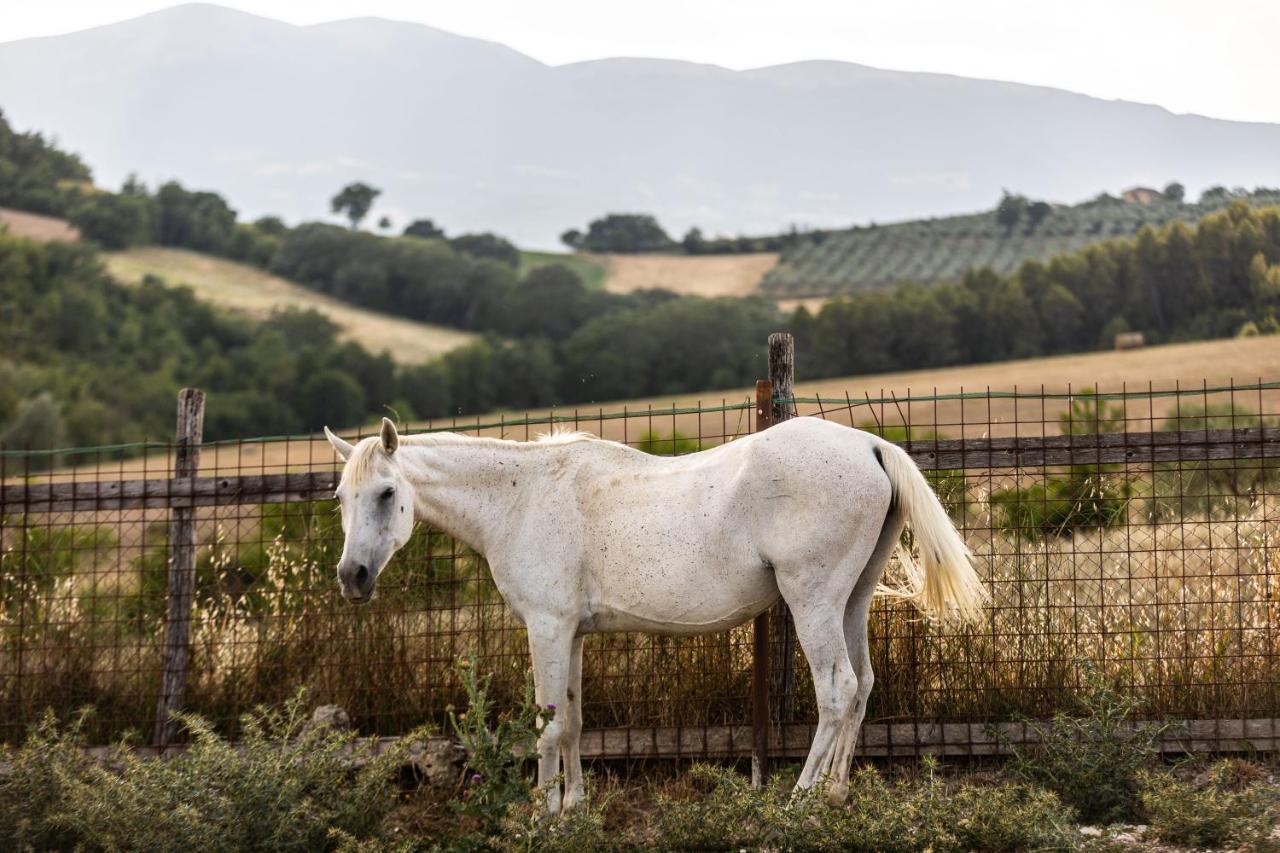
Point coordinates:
[(953, 454), (1108, 448), (169, 492)]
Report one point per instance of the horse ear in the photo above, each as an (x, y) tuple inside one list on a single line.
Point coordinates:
[(390, 438), (343, 448)]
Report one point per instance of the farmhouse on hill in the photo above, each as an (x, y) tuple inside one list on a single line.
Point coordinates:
[(1141, 195)]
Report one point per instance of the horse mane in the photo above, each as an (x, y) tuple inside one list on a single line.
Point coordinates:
[(361, 461)]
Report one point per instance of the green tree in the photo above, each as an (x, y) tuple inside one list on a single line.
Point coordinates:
[(113, 221), (1010, 210), (1037, 212), (1175, 191), (36, 425), (572, 238), (354, 201), (693, 242), (328, 397), (626, 233), (487, 245), (425, 229)]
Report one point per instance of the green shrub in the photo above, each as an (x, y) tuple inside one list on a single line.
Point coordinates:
[(1091, 760), (497, 756), (34, 792), (1088, 496), (674, 444), (1011, 817), (284, 786), (1225, 810), (1085, 498), (924, 814), (725, 813), (1211, 488), (526, 828)]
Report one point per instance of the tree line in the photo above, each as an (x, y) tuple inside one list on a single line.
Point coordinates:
[(640, 233)]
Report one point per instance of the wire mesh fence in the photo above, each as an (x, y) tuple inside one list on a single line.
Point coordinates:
[(1128, 534)]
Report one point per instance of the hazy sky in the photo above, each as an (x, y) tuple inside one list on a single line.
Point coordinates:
[(1213, 57)]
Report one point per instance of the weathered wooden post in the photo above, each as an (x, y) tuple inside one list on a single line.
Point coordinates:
[(176, 650), (760, 717), (782, 376)]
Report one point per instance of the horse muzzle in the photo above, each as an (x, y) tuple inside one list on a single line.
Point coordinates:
[(356, 580)]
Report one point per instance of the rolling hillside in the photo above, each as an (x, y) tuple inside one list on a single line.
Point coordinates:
[(258, 293), (278, 117), (934, 250)]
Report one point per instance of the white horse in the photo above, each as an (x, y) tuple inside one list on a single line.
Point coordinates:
[(585, 535)]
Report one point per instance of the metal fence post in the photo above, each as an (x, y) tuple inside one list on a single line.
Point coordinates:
[(176, 650), (760, 717), (782, 376)]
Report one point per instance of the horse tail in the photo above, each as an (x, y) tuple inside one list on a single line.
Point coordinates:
[(947, 585)]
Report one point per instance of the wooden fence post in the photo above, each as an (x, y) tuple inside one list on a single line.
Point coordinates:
[(176, 650), (760, 716), (782, 376)]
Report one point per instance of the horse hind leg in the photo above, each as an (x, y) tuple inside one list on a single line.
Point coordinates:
[(856, 613), (820, 629)]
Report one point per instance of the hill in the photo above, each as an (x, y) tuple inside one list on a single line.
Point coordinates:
[(927, 251), (258, 294), (278, 117)]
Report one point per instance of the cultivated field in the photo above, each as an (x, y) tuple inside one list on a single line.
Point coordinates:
[(935, 250), (33, 226), (257, 293), (703, 275)]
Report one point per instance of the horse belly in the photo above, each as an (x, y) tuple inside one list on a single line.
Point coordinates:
[(665, 592)]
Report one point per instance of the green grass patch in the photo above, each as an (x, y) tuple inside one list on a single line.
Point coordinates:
[(591, 272)]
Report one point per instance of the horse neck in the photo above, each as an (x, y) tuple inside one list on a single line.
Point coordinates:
[(468, 487)]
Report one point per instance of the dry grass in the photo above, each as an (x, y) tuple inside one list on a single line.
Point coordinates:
[(33, 226), (257, 293), (1181, 613), (702, 275)]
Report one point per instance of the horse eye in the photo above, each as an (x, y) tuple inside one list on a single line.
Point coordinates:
[(388, 493)]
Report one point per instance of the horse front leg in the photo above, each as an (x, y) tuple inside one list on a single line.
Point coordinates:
[(570, 748), (551, 647)]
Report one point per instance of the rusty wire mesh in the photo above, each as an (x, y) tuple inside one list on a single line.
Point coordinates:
[(1158, 575)]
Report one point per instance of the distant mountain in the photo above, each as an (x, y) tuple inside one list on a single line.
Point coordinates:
[(478, 136)]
